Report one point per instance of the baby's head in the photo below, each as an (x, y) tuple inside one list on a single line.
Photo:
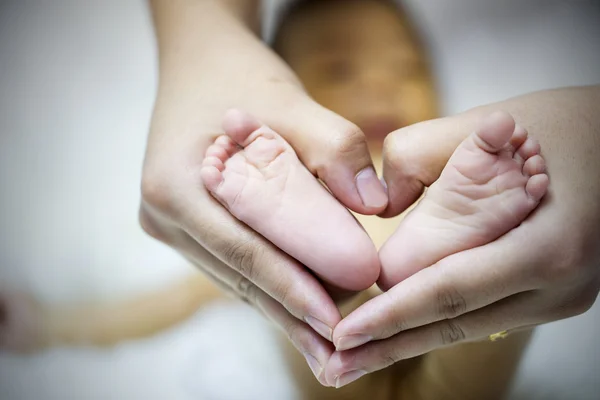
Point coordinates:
[(361, 59)]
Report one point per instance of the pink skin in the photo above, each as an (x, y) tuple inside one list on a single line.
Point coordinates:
[(256, 175), (494, 179)]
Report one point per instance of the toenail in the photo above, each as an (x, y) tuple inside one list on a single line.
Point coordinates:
[(320, 327), (348, 377), (369, 187), (351, 341)]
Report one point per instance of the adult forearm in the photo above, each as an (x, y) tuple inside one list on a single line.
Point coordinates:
[(245, 11), (207, 28), (209, 60)]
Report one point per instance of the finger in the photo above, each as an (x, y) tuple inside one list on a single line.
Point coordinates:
[(458, 284), (413, 157), (514, 312), (239, 256), (315, 349), (241, 291), (335, 150), (232, 246)]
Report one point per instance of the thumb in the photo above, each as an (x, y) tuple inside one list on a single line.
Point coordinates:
[(413, 157), (335, 150)]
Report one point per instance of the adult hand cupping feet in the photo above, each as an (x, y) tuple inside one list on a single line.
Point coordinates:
[(494, 179), (541, 271), (207, 54)]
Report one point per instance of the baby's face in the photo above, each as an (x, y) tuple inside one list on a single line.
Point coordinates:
[(359, 59)]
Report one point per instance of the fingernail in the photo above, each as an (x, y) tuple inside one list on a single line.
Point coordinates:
[(348, 377), (320, 327), (369, 187), (351, 341), (314, 365), (383, 183)]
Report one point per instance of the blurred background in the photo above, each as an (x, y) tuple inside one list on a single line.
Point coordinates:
[(77, 83)]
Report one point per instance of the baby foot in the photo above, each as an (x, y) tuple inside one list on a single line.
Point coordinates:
[(257, 176), (494, 179)]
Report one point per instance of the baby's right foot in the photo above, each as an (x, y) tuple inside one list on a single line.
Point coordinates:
[(257, 176), (494, 179)]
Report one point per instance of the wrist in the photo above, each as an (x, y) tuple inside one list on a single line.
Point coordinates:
[(245, 11), (186, 27)]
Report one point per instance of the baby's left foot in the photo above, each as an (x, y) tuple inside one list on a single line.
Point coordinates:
[(494, 179), (258, 177)]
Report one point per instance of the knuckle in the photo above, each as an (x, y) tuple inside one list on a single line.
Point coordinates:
[(293, 332), (389, 357), (347, 361), (450, 303), (403, 151), (243, 289), (155, 191), (392, 148), (569, 262), (242, 256), (578, 304), (399, 324), (390, 360), (394, 323), (281, 292), (349, 140), (399, 150), (451, 332)]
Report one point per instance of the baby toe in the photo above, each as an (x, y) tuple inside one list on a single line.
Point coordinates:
[(212, 161), (217, 151), (530, 148), (495, 132), (211, 177), (537, 186), (227, 144), (534, 165), (518, 138)]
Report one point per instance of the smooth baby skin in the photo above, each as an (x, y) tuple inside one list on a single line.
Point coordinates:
[(257, 176), (494, 179)]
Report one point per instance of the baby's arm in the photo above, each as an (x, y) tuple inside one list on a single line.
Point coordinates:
[(26, 325)]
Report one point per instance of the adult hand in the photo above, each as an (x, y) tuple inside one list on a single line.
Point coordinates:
[(210, 61), (546, 269)]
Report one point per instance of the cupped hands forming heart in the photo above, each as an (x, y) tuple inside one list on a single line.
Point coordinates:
[(493, 180), (533, 274), (541, 271)]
